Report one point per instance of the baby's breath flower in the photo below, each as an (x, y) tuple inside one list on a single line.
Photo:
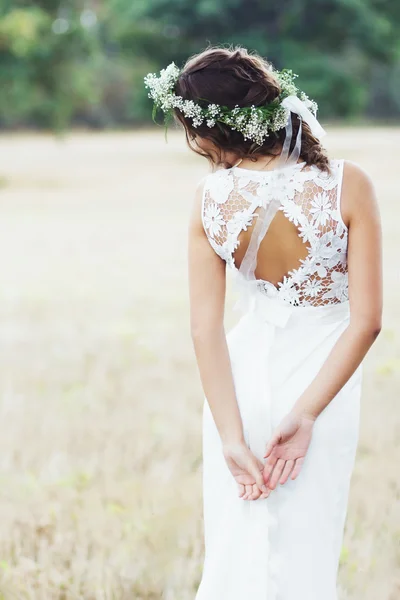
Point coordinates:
[(280, 118), (311, 104), (285, 78), (213, 109)]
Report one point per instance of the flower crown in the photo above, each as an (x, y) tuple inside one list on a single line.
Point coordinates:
[(254, 122)]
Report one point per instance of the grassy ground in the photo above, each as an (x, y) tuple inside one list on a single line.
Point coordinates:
[(100, 402)]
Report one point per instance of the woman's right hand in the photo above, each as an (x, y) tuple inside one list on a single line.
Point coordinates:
[(247, 471), (287, 448)]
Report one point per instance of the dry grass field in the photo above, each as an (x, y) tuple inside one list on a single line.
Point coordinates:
[(100, 401)]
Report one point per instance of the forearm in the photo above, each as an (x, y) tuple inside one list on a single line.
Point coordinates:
[(216, 377), (345, 357)]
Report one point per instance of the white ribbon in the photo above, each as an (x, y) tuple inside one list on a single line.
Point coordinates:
[(299, 107), (246, 280)]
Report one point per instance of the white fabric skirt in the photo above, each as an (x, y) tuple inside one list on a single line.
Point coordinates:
[(286, 546)]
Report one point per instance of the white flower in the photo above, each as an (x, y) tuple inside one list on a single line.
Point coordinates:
[(297, 275), (312, 287), (293, 212), (338, 288), (310, 104), (287, 291), (239, 221), (285, 79), (284, 183), (300, 177), (308, 232), (335, 215), (321, 208), (308, 264), (220, 186), (341, 231), (231, 243), (332, 248), (315, 263), (259, 196), (341, 259), (280, 118), (213, 109), (328, 251), (255, 198), (320, 268), (161, 87), (213, 220), (223, 251), (192, 110)]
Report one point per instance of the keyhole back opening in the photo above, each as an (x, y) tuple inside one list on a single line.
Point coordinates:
[(280, 251)]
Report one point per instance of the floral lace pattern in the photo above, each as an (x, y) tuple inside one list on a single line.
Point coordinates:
[(310, 199)]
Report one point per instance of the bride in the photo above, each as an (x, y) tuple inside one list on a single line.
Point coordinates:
[(301, 233)]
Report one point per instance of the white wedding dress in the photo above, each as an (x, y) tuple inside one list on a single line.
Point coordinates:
[(287, 546)]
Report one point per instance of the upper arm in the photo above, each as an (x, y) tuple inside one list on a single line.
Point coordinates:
[(206, 274), (360, 210)]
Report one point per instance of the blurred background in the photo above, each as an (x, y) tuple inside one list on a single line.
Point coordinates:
[(82, 62), (100, 402)]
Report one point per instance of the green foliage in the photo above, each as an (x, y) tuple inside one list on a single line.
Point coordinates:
[(64, 61), (21, 31)]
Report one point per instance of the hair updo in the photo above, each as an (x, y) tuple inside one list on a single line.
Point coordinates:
[(235, 77)]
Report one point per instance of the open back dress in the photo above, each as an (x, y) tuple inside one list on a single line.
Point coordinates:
[(283, 235)]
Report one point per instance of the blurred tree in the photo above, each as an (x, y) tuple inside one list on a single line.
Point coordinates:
[(40, 52), (332, 44), (83, 61)]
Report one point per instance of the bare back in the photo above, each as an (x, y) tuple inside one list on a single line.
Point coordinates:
[(282, 227)]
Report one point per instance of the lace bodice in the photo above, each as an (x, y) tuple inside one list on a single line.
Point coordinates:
[(310, 199)]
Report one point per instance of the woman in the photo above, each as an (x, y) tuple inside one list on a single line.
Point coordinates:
[(301, 232)]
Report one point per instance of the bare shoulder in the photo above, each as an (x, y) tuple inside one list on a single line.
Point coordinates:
[(358, 192), (355, 175)]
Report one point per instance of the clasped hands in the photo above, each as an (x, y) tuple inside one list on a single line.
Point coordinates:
[(284, 454)]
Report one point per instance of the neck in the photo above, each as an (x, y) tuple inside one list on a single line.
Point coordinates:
[(265, 161), (257, 162)]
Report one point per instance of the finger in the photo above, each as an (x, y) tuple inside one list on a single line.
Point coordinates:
[(272, 443), (286, 471), (276, 473), (269, 447), (268, 467), (265, 489), (248, 490), (255, 469), (245, 478), (264, 495), (241, 490), (297, 467), (256, 492)]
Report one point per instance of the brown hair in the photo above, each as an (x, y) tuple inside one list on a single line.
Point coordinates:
[(232, 76)]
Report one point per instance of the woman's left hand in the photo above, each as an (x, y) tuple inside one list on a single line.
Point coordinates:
[(247, 471), (287, 448)]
